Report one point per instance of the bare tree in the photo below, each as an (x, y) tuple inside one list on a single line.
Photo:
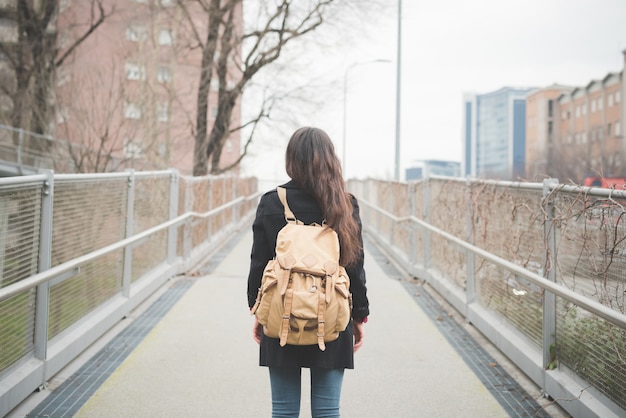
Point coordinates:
[(235, 58), (573, 162), (35, 56)]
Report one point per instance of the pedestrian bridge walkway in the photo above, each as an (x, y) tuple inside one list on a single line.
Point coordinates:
[(189, 353), (100, 291)]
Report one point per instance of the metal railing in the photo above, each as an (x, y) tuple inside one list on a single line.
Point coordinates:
[(538, 268), (79, 252), (23, 152)]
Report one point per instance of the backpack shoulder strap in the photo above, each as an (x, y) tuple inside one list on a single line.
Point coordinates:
[(282, 195)]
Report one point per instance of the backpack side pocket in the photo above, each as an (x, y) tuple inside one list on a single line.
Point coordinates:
[(269, 285)]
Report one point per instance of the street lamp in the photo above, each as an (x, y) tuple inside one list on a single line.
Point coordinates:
[(345, 106), (398, 86)]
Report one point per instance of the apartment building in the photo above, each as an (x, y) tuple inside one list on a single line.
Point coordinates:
[(541, 112), (577, 132), (8, 39), (137, 74), (494, 138), (127, 97)]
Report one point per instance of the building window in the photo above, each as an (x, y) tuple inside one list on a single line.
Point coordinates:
[(62, 115), (584, 137), (600, 103), (213, 112), (63, 5), (215, 84), (167, 3), (165, 37), (63, 40), (593, 105), (618, 129), (132, 149), (584, 109), (164, 75), (610, 100), (550, 108), (135, 72), (8, 31), (63, 76), (162, 112), (136, 33), (577, 111), (132, 111), (563, 115), (618, 97), (608, 130)]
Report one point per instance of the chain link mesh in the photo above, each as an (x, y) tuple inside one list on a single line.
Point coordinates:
[(20, 224), (17, 328), (508, 220), (89, 213), (151, 208), (20, 219)]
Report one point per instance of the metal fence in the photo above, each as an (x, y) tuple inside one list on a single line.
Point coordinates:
[(78, 252), (539, 268), (23, 152)]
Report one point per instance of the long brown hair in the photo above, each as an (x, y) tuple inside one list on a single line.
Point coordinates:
[(312, 163)]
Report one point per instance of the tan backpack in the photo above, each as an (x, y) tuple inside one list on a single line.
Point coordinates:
[(304, 298)]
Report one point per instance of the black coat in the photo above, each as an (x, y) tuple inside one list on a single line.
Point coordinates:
[(270, 218)]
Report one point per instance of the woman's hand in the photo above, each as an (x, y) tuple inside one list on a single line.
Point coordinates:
[(359, 333), (257, 329)]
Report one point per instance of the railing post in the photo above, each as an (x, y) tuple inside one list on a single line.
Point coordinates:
[(470, 280), (235, 209), (173, 230), (549, 299), (187, 234), (367, 184), (391, 208), (426, 235), (128, 250), (210, 221), (412, 227), (45, 263), (20, 147)]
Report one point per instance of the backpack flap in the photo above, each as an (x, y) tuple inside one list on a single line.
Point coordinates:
[(308, 249)]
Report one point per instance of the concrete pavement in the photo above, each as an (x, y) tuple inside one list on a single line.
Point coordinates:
[(200, 360)]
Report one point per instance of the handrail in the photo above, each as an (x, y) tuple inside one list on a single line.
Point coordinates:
[(597, 308), (8, 181), (88, 176), (32, 281), (590, 191), (526, 185)]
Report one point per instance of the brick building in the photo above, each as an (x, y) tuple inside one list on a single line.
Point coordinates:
[(127, 97), (577, 132), (540, 129)]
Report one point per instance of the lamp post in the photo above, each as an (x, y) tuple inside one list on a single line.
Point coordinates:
[(345, 107), (398, 84)]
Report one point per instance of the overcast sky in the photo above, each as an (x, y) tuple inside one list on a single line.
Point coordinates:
[(452, 47)]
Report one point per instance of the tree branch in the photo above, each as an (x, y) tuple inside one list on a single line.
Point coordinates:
[(89, 31)]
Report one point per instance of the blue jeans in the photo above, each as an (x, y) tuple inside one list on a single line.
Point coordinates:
[(286, 391)]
